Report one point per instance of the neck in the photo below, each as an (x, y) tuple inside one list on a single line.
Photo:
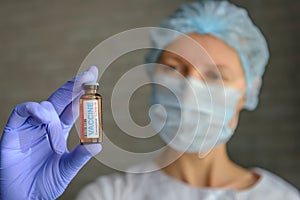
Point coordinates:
[(215, 170)]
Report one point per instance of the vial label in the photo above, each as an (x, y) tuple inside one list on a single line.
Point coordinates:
[(90, 119)]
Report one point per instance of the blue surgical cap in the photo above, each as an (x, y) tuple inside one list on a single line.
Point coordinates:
[(227, 22)]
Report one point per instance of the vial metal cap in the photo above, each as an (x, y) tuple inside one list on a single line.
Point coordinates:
[(90, 86)]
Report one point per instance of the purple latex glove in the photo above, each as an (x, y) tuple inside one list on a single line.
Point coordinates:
[(35, 162)]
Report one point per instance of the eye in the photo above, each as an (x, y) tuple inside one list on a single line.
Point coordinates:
[(172, 68), (169, 69), (213, 76)]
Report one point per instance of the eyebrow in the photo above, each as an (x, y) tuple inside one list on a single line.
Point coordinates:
[(220, 66), (167, 55)]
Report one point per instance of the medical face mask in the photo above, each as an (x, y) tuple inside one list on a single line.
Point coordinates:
[(192, 116)]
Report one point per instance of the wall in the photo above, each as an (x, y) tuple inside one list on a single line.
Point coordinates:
[(44, 42)]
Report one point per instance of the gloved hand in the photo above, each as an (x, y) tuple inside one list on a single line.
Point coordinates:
[(35, 163)]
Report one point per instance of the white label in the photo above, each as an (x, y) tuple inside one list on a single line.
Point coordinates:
[(91, 118)]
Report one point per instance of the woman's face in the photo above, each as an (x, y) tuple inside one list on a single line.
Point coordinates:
[(219, 63)]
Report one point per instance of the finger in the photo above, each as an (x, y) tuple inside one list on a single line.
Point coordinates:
[(54, 129), (25, 110), (71, 89), (71, 112), (74, 161)]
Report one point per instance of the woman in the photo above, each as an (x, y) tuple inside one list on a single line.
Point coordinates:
[(238, 55), (36, 163)]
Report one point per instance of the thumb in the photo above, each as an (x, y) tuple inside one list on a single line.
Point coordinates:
[(72, 162)]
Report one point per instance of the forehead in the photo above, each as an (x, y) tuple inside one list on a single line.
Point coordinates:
[(204, 50)]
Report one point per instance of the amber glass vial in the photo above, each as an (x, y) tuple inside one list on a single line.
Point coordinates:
[(90, 113)]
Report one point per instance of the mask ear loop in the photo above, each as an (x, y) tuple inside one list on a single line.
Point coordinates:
[(243, 96)]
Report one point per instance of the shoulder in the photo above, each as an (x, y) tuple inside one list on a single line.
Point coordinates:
[(103, 187), (274, 187), (117, 185)]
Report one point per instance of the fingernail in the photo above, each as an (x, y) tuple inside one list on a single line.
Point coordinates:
[(91, 67)]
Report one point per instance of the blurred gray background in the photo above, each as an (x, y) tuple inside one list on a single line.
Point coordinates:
[(42, 44)]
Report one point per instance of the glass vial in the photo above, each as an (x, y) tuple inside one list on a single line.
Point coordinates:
[(90, 113)]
